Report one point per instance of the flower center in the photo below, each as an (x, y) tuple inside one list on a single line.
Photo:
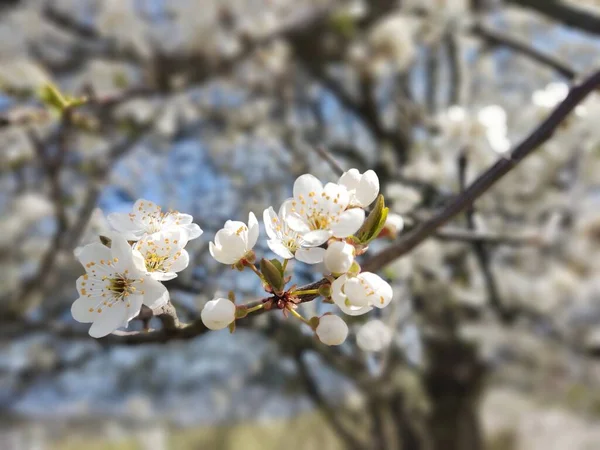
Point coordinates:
[(319, 221), (155, 262), (120, 286)]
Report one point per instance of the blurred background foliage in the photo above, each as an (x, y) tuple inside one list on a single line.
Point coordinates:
[(213, 107)]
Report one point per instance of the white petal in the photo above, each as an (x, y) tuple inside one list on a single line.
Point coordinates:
[(270, 220), (368, 188), (184, 219), (135, 305), (94, 253), (194, 231), (279, 249), (317, 237), (163, 276), (234, 225), (138, 261), (80, 309), (313, 255), (122, 251), (181, 262), (337, 292), (253, 230), (109, 320), (348, 223), (305, 184), (155, 294), (123, 223), (350, 179), (356, 293), (297, 223), (336, 199), (354, 310), (332, 330)]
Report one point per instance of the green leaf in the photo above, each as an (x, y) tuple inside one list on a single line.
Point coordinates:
[(277, 264), (374, 222), (272, 275), (52, 97), (105, 241)]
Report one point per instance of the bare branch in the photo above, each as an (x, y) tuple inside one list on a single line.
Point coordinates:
[(540, 135), (495, 37), (566, 12)]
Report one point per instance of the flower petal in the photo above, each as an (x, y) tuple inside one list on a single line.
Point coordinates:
[(348, 222), (297, 223), (135, 305), (368, 188), (80, 309), (163, 276), (313, 255), (122, 253), (350, 179), (271, 221), (253, 230), (194, 230), (94, 253), (279, 249), (155, 294), (181, 262), (317, 237), (305, 185), (109, 320), (126, 225), (337, 289)]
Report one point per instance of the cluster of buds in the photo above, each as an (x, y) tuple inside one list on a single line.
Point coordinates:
[(325, 224), (320, 223)]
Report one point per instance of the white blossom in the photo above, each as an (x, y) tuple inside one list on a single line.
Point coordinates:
[(32, 206), (363, 188), (332, 330), (552, 95), (286, 242), (394, 224), (339, 257), (235, 241), (392, 38), (115, 286), (374, 336), (405, 198), (147, 218), (358, 295), (218, 313), (494, 120), (318, 213), (164, 253)]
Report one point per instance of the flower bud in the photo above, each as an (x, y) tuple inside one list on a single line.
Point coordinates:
[(358, 295), (235, 242), (332, 330), (394, 224), (363, 188), (218, 313), (339, 257)]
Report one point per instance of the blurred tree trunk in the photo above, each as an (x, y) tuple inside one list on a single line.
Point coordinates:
[(450, 388)]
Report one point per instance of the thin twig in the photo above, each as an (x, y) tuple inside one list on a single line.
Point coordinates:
[(481, 185), (495, 37)]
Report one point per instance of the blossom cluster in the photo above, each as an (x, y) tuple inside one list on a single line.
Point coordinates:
[(320, 224), (146, 247)]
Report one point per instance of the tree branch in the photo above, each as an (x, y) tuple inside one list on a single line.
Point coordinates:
[(481, 185), (566, 12), (495, 37)]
